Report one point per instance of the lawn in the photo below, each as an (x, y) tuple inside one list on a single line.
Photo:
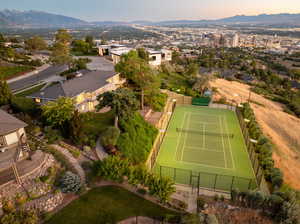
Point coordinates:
[(96, 123), (108, 201), (10, 71), (31, 90)]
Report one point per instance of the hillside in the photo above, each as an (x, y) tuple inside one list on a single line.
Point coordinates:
[(282, 129), (30, 19)]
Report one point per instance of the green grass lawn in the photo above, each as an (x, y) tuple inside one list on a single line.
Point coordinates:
[(96, 123), (10, 71), (30, 91), (221, 161), (107, 201)]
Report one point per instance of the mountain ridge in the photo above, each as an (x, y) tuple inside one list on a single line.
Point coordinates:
[(40, 19)]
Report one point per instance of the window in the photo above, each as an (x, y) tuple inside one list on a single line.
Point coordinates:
[(11, 138)]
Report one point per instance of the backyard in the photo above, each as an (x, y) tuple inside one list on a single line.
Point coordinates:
[(109, 204)]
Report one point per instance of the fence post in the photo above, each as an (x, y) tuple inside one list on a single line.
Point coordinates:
[(160, 171), (191, 176), (232, 183), (198, 184), (174, 174), (250, 182), (215, 181)]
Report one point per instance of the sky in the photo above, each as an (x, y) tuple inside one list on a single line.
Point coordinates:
[(154, 10)]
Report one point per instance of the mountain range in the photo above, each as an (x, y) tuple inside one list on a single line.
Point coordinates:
[(38, 19)]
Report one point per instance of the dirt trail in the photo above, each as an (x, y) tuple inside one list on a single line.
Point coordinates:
[(283, 129)]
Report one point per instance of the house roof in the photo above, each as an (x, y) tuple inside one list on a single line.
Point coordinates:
[(88, 82), (9, 123)]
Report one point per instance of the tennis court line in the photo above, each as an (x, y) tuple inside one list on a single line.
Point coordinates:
[(203, 165), (230, 147), (179, 137), (225, 159), (203, 136), (202, 149), (185, 136)]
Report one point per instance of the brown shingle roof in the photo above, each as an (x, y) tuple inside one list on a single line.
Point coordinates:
[(9, 123)]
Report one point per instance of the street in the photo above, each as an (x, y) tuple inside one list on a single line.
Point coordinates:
[(34, 79)]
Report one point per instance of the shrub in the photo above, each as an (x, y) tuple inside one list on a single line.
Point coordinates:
[(25, 105), (116, 169), (136, 139), (110, 136), (53, 135), (70, 183)]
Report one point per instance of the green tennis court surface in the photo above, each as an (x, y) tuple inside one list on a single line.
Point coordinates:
[(205, 147)]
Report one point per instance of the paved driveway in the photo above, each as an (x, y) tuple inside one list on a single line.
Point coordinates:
[(99, 63)]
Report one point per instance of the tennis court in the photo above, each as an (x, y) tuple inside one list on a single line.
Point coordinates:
[(205, 147)]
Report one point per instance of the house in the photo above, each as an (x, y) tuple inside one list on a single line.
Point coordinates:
[(83, 88), (155, 58), (116, 53), (13, 143)]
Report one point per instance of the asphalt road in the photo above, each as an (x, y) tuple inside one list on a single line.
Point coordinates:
[(34, 79)]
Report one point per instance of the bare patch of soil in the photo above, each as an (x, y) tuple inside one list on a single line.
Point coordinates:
[(282, 128)]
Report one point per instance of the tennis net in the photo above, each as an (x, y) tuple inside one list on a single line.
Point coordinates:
[(204, 133)]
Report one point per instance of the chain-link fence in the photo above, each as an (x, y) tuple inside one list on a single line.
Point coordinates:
[(211, 181), (259, 173)]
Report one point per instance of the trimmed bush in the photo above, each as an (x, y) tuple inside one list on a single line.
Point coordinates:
[(25, 105), (70, 183)]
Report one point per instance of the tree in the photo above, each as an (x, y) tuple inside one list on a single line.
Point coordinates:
[(5, 92), (89, 40), (143, 54), (201, 84), (81, 46), (63, 37), (2, 39), (76, 128), (122, 101), (58, 112), (60, 54), (137, 71), (35, 43)]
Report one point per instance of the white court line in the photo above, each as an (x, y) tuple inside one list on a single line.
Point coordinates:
[(184, 140), (202, 149), (230, 148), (225, 161), (203, 136), (179, 137)]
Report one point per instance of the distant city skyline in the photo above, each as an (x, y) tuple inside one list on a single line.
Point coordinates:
[(154, 10)]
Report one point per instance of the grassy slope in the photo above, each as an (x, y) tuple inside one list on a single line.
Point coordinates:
[(9, 71), (115, 201)]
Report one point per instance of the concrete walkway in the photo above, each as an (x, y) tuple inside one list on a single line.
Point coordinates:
[(101, 154), (73, 161)]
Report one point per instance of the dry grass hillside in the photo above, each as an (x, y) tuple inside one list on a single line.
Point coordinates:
[(283, 129)]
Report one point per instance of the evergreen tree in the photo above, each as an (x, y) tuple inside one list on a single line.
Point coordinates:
[(5, 92)]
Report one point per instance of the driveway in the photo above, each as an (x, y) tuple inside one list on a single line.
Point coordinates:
[(98, 63)]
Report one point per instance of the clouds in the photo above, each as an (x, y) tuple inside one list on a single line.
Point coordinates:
[(154, 9)]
